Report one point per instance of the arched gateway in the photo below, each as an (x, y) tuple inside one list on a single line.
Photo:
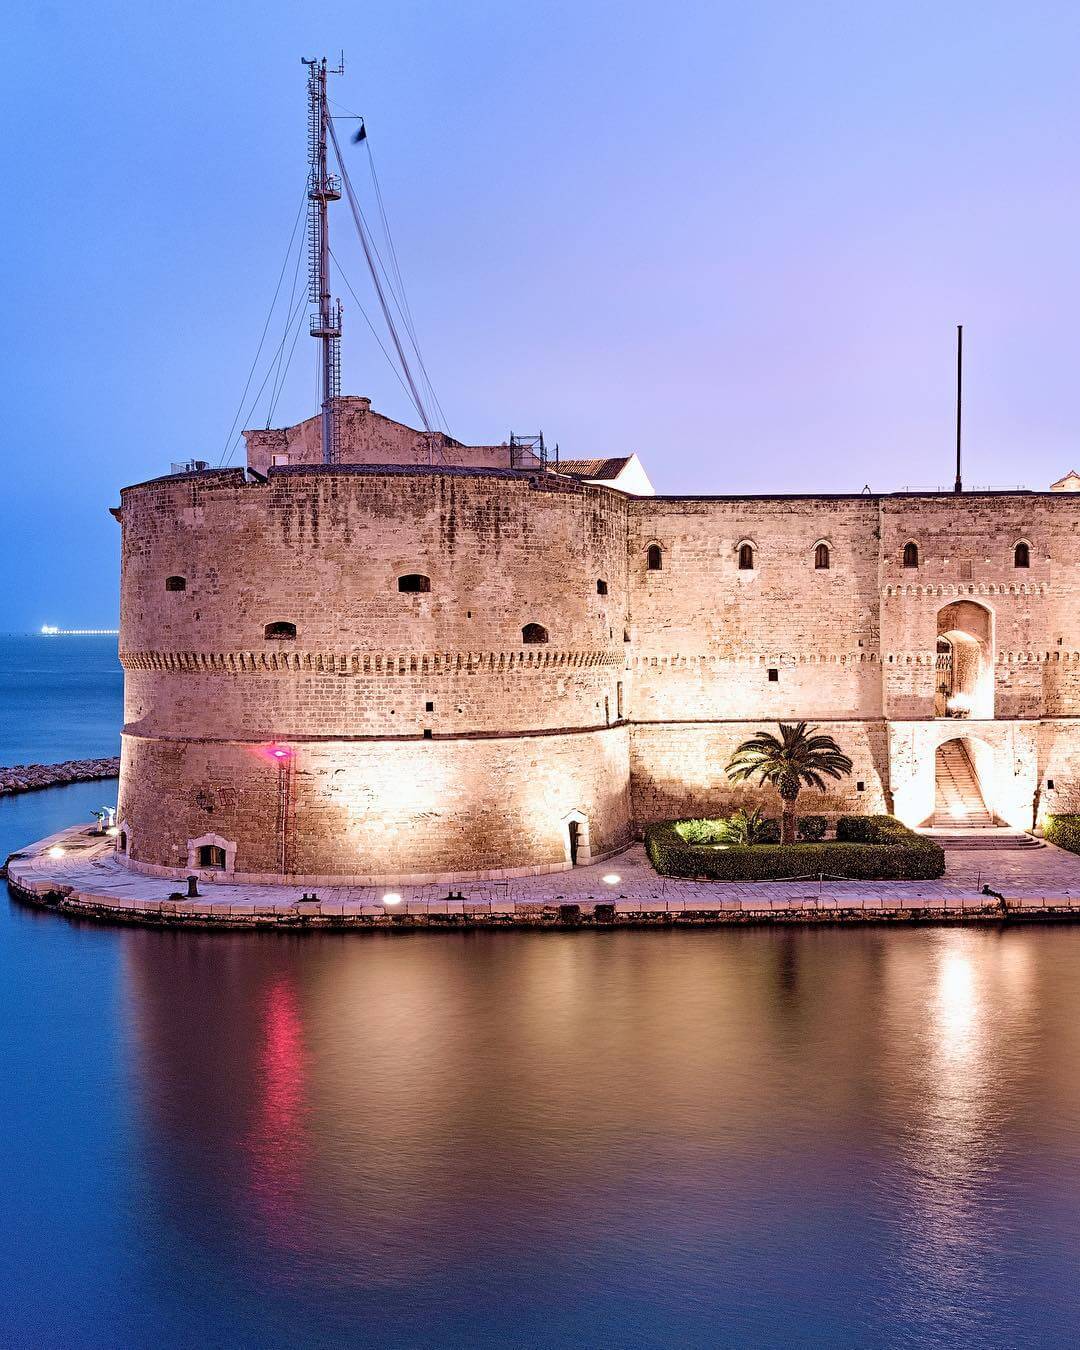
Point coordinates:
[(965, 661)]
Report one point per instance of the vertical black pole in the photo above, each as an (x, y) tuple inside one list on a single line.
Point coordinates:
[(958, 486)]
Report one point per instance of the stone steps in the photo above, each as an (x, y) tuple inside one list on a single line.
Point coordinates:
[(958, 800), (987, 840)]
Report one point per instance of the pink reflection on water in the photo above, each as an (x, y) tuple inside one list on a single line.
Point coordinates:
[(275, 1143)]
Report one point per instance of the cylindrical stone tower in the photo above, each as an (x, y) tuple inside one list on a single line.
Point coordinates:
[(372, 673)]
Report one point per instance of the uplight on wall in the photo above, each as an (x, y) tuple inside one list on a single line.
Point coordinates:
[(611, 879), (391, 898), (56, 851)]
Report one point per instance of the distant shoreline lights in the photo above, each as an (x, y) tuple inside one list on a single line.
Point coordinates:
[(50, 630)]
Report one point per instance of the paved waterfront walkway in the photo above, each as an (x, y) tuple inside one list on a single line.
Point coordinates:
[(88, 879)]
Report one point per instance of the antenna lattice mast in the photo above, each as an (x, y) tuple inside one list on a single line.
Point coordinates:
[(323, 187)]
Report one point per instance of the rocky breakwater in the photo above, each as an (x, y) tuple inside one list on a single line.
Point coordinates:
[(30, 777)]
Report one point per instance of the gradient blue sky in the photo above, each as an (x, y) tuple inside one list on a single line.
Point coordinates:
[(733, 238)]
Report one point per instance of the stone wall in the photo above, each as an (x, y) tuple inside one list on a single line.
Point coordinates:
[(677, 769), (367, 437), (425, 736), (406, 811), (424, 733)]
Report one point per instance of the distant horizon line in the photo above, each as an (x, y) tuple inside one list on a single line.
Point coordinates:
[(52, 630)]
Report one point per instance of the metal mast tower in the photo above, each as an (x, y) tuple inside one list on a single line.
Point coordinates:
[(323, 187)]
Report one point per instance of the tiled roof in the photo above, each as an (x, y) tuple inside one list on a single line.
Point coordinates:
[(594, 468)]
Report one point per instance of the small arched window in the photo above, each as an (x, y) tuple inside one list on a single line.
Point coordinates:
[(212, 856), (911, 555), (654, 558), (279, 630), (534, 633), (601, 588), (414, 582), (821, 557), (746, 557), (175, 584), (1022, 555)]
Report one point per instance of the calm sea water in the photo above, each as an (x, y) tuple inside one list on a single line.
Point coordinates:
[(747, 1138), (60, 698)]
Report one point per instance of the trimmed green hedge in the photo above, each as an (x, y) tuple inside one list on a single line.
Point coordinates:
[(868, 848), (1063, 831)]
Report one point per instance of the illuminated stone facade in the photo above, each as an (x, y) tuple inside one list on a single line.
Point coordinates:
[(431, 669)]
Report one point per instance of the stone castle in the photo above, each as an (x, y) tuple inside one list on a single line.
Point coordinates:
[(430, 660)]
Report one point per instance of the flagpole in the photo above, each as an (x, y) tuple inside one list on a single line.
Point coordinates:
[(958, 486)]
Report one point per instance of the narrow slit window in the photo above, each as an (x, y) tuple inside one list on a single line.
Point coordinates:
[(534, 633), (176, 583), (774, 675), (415, 583), (1022, 555), (655, 558), (280, 629), (911, 555), (746, 557), (601, 588), (821, 557)]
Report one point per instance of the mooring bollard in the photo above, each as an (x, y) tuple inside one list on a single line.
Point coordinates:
[(193, 888)]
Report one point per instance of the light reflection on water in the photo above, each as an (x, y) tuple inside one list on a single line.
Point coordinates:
[(816, 1137), (754, 1137)]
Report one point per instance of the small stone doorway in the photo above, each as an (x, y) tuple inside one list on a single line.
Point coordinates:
[(576, 839)]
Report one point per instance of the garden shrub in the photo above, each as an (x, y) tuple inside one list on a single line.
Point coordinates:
[(884, 850), (811, 828), (701, 831), (859, 829), (741, 827), (1063, 831)]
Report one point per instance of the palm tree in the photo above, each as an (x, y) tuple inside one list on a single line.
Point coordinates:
[(790, 762)]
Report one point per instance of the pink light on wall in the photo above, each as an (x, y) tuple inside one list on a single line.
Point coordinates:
[(275, 752)]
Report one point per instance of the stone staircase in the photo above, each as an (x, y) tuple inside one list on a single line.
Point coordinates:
[(983, 838), (959, 802)]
